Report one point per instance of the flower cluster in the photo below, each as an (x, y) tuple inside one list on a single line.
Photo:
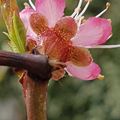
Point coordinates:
[(66, 39)]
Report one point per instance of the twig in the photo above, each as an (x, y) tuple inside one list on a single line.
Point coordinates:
[(34, 83)]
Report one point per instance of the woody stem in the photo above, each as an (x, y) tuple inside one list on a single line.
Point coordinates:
[(36, 81), (36, 99)]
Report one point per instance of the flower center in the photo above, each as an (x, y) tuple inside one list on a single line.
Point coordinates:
[(55, 46)]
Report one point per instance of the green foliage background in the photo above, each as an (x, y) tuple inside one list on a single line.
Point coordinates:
[(72, 99)]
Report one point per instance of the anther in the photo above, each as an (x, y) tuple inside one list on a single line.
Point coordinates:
[(101, 77), (26, 5), (109, 20), (80, 20), (107, 6)]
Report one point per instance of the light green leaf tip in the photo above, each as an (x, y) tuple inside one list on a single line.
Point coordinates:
[(19, 32), (16, 30)]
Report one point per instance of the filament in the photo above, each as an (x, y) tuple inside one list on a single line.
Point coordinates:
[(84, 10), (77, 9), (32, 5), (104, 46), (107, 6), (80, 21)]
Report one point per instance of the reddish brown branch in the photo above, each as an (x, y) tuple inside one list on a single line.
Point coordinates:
[(38, 68), (36, 99), (37, 65)]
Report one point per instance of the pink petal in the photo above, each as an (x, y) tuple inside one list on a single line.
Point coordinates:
[(38, 23), (53, 10), (25, 15), (54, 46), (80, 56), (93, 32), (66, 28), (89, 72)]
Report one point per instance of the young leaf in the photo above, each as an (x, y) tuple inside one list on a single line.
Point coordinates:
[(20, 33), (15, 27)]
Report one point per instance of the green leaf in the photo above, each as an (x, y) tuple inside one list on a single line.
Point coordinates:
[(16, 30), (8, 7), (20, 33)]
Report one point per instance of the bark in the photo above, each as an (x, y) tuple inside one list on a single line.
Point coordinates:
[(36, 99), (35, 81), (36, 65)]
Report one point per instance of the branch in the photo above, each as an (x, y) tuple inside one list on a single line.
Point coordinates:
[(36, 65), (36, 99), (35, 91)]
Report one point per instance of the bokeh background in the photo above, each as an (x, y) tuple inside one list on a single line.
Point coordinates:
[(72, 99)]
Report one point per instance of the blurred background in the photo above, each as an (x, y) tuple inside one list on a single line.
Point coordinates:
[(72, 99)]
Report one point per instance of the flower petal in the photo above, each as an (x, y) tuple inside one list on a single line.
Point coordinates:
[(80, 56), (58, 74), (89, 72), (38, 23), (93, 32), (25, 15), (53, 10), (55, 47), (30, 44), (66, 28)]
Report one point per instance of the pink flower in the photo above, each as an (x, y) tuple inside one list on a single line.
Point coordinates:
[(65, 39)]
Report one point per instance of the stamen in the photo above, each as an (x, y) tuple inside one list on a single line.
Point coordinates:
[(77, 9), (32, 5), (101, 77), (80, 21), (104, 46), (26, 5), (107, 6), (55, 62), (84, 10)]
